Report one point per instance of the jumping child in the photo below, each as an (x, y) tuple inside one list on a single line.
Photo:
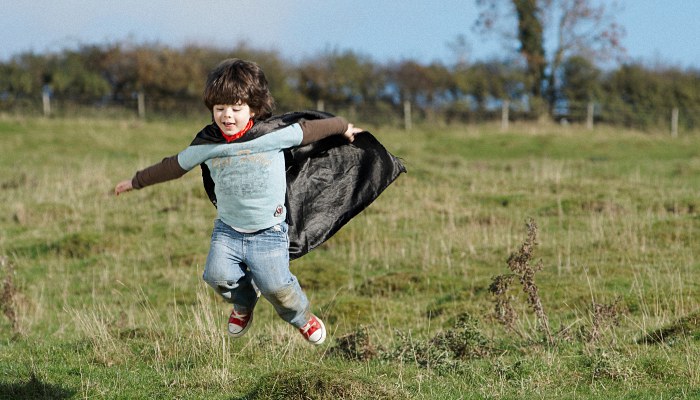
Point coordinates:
[(248, 255)]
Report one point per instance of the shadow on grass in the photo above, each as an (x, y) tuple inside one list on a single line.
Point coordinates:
[(33, 389), (687, 326)]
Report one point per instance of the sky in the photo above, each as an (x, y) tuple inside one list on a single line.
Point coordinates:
[(665, 32)]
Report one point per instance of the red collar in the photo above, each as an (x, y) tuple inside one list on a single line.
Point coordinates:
[(231, 138)]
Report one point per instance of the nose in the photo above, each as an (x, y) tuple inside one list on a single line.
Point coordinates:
[(228, 113)]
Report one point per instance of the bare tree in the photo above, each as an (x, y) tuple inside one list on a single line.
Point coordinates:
[(584, 28)]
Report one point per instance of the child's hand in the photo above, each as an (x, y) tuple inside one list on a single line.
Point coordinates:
[(351, 132), (123, 186)]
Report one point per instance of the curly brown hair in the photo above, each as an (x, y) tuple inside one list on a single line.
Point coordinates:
[(235, 80)]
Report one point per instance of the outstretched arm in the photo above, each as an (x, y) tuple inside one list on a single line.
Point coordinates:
[(166, 170), (317, 129)]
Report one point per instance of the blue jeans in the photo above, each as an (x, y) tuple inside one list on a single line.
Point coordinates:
[(239, 264)]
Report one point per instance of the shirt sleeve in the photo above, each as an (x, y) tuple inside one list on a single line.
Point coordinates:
[(194, 155), (287, 137), (166, 170), (317, 129), (171, 167)]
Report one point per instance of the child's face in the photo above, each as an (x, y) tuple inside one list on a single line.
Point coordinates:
[(232, 118)]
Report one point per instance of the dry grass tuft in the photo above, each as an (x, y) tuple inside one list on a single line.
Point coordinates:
[(519, 263), (604, 316), (320, 383), (107, 349), (355, 346), (446, 351)]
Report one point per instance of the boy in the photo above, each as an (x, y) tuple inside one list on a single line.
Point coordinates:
[(249, 253)]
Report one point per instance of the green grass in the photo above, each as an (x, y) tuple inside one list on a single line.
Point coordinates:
[(102, 296)]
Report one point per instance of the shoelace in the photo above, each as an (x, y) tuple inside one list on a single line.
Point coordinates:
[(239, 316), (311, 324)]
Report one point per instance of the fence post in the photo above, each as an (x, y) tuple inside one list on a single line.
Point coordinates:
[(46, 100), (141, 104), (589, 116), (407, 115), (320, 105), (505, 108), (674, 122)]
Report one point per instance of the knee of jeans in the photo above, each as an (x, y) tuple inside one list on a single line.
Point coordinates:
[(223, 287), (287, 297), (216, 276)]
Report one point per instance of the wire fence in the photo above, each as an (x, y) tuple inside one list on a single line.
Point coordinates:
[(672, 119)]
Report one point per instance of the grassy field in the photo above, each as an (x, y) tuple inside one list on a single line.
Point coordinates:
[(543, 262)]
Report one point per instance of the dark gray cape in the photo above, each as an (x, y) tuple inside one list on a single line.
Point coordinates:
[(328, 182)]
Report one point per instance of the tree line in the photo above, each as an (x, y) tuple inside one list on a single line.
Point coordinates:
[(172, 79)]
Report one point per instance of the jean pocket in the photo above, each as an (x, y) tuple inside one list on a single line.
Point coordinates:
[(278, 233)]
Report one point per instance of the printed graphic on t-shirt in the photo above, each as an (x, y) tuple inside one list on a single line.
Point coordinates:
[(247, 174)]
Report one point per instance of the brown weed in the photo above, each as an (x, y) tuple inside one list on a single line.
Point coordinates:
[(519, 263), (504, 312), (355, 346), (604, 316), (8, 294)]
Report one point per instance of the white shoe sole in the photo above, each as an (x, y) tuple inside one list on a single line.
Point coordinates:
[(323, 333), (243, 331)]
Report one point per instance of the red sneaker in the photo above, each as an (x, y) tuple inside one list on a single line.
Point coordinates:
[(238, 322), (314, 331)]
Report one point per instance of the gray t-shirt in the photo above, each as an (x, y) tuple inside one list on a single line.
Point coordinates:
[(249, 177)]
